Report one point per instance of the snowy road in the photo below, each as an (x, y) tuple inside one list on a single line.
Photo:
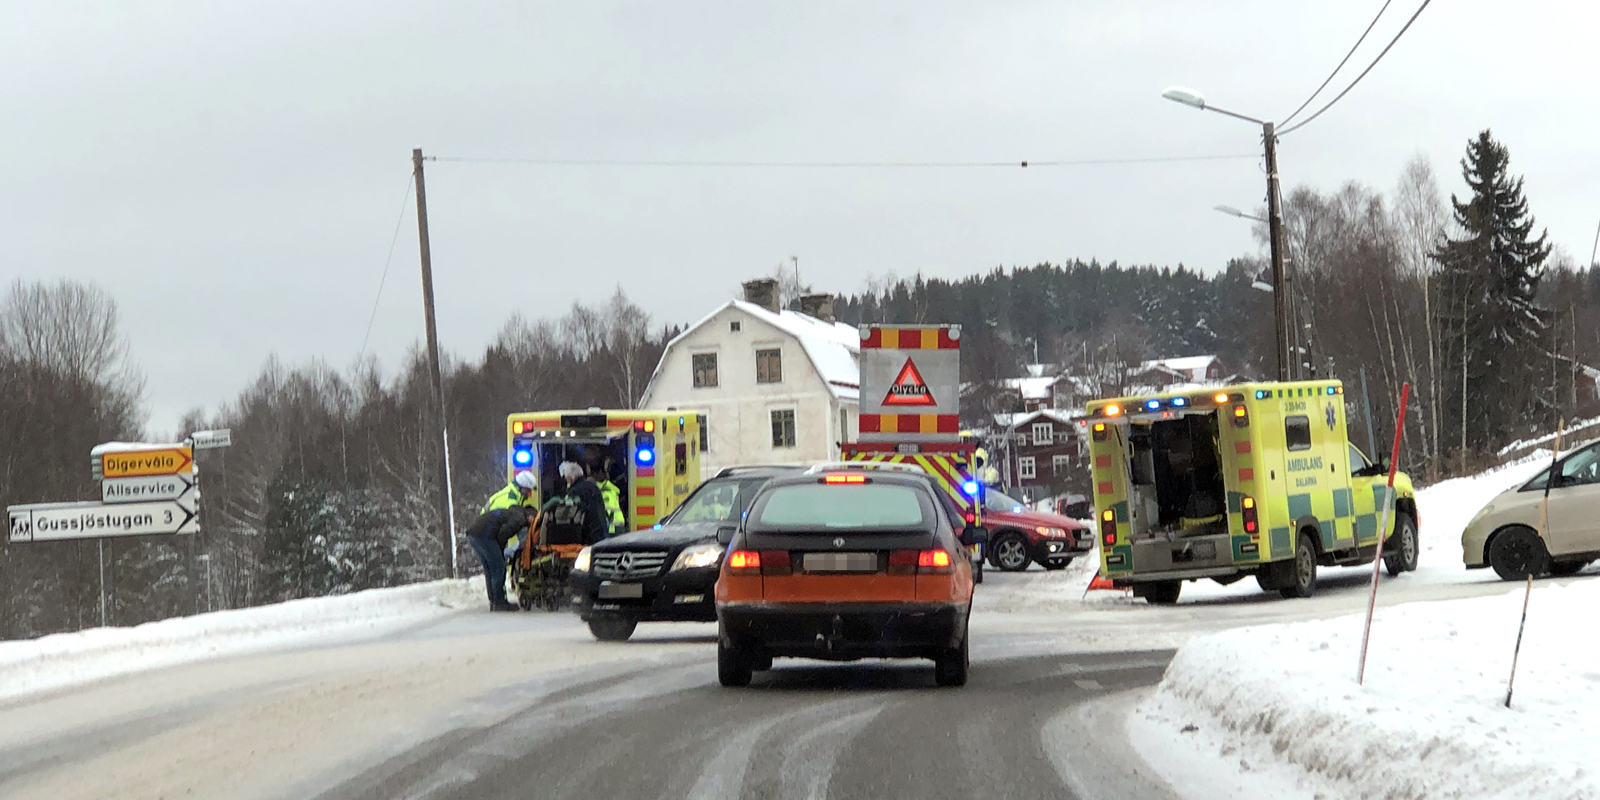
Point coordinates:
[(479, 705)]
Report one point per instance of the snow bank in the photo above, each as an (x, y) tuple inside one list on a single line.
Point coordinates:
[(52, 662), (1430, 721)]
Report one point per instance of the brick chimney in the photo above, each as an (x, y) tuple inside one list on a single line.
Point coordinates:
[(763, 292), (817, 305)]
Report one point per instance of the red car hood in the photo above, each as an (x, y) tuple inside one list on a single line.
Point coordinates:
[(1031, 519)]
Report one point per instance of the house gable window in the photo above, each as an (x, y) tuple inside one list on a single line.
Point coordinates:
[(1043, 433), (769, 365), (1025, 468), (1060, 464), (704, 366)]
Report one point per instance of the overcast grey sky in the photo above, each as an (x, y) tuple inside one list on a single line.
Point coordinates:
[(232, 172)]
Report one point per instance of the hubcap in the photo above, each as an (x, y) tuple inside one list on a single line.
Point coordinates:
[(1408, 546), (1303, 563), (1010, 553)]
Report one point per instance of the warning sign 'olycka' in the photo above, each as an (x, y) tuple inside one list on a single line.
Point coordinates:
[(910, 382)]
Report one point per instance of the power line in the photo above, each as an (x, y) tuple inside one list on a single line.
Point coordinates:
[(1342, 62), (554, 162), (404, 200), (1363, 74)]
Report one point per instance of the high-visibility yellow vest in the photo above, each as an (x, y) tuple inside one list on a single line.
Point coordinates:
[(509, 497), (612, 497)]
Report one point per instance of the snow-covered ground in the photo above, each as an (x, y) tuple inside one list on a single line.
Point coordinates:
[(53, 662), (1275, 710)]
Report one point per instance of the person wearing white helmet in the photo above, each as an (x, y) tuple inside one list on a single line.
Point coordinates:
[(519, 492)]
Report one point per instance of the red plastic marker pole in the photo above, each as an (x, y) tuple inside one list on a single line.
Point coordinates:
[(1383, 528)]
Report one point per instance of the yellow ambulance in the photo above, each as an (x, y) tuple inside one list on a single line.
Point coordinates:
[(1256, 479), (652, 456)]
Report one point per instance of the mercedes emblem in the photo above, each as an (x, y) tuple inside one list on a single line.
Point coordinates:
[(838, 542), (625, 563)]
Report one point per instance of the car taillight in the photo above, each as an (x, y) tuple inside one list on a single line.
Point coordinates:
[(1108, 528), (1241, 417), (744, 560), (904, 562), (1247, 510)]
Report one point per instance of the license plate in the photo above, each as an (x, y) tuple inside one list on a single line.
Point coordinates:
[(618, 591), (840, 562)]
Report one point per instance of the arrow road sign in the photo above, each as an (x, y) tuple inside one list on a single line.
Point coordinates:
[(59, 521), (150, 487), (175, 460)]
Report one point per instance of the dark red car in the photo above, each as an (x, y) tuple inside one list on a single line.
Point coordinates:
[(1019, 535)]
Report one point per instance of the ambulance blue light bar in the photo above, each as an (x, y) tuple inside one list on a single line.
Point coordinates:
[(1179, 402), (1153, 405)]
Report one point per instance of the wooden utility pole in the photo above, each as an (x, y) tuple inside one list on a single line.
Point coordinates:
[(1287, 359), (443, 500)]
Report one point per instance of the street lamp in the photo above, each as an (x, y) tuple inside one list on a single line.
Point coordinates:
[(1274, 221), (1234, 212)]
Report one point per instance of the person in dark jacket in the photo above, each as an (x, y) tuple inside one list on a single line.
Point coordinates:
[(488, 535), (587, 495)]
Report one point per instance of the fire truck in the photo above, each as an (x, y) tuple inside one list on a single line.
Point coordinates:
[(910, 412), (652, 456)]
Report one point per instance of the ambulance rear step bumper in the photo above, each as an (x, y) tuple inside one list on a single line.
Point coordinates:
[(1178, 575)]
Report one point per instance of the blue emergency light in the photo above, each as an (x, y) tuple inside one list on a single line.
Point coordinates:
[(1178, 402), (970, 487), (1153, 405), (523, 457), (646, 456)]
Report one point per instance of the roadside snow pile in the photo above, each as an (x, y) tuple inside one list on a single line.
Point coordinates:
[(1430, 721), (51, 662), (1447, 506)]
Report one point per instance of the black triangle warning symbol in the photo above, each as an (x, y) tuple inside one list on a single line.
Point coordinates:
[(909, 389)]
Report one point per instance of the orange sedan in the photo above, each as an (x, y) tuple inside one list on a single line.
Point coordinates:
[(844, 565)]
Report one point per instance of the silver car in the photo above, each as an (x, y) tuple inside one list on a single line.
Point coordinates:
[(1504, 535)]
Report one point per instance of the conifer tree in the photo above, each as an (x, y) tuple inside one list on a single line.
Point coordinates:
[(1489, 322)]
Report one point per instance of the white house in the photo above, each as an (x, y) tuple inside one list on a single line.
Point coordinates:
[(776, 386)]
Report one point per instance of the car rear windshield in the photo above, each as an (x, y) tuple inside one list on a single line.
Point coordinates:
[(843, 507)]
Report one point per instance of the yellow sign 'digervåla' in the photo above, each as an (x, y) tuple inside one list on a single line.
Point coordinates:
[(139, 463)]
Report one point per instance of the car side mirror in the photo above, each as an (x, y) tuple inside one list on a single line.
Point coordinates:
[(725, 535), (974, 534)]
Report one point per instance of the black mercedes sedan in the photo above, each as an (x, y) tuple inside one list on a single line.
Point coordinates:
[(666, 574)]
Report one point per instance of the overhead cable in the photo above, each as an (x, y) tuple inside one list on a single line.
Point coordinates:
[(1342, 62), (555, 162), (1363, 74), (404, 201)]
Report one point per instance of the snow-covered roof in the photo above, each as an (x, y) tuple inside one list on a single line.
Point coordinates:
[(1193, 366), (1032, 387), (1011, 421), (833, 348)]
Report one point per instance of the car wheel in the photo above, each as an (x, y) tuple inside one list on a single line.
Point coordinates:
[(1010, 552), (1159, 593), (612, 629), (1403, 558), (1305, 569), (1562, 569), (1517, 553), (1055, 565), (950, 667), (734, 665)]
